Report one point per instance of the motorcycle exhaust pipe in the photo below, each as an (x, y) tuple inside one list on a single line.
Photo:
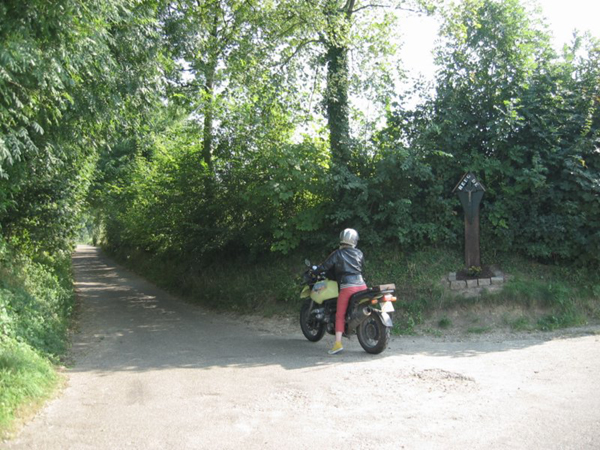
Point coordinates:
[(359, 317)]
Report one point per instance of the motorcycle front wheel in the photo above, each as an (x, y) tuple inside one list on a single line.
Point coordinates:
[(312, 329), (373, 335)]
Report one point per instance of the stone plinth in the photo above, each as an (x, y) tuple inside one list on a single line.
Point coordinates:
[(475, 283)]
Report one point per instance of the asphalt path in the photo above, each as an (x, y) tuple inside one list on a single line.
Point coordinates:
[(153, 372)]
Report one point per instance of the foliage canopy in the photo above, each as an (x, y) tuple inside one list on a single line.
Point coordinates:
[(215, 128)]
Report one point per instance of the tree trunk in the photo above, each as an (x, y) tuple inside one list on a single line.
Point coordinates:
[(210, 70), (207, 142), (338, 118), (336, 98)]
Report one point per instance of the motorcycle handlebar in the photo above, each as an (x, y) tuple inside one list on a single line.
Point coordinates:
[(312, 274)]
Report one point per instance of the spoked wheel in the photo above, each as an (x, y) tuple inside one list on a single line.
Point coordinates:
[(373, 335), (312, 329)]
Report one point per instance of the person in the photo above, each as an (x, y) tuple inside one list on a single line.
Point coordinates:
[(347, 263)]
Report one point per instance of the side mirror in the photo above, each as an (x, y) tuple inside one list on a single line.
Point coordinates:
[(307, 262)]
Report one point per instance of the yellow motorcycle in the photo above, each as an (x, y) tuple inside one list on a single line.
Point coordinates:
[(368, 313)]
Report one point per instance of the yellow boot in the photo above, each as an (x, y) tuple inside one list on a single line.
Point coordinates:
[(337, 347)]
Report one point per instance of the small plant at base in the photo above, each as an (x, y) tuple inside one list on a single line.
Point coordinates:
[(445, 323), (474, 271), (520, 324)]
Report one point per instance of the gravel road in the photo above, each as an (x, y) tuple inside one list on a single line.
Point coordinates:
[(153, 372)]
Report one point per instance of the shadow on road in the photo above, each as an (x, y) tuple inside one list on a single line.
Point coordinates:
[(127, 324)]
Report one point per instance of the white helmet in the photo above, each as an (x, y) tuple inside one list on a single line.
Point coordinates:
[(349, 237)]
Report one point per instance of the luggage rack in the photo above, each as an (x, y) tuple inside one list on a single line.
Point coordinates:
[(385, 287)]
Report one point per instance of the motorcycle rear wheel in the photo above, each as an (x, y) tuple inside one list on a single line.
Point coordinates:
[(312, 329), (373, 335)]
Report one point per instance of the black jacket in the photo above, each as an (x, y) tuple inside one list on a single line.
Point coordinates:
[(347, 264)]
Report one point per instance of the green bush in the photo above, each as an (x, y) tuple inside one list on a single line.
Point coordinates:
[(36, 297)]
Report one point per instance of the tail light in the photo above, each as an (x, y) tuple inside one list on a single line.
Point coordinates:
[(389, 298)]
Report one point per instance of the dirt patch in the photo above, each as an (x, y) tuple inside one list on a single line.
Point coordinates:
[(493, 322)]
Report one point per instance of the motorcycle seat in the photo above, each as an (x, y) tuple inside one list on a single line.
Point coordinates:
[(363, 294), (373, 291)]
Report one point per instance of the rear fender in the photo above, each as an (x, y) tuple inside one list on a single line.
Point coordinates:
[(386, 319)]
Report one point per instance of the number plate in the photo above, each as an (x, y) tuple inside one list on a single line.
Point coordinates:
[(387, 307)]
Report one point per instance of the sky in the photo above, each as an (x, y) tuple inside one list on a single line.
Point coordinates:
[(563, 16)]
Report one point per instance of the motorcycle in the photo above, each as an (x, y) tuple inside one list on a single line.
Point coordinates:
[(368, 313)]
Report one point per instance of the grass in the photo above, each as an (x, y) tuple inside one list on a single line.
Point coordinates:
[(562, 298), (27, 379), (519, 324), (478, 330)]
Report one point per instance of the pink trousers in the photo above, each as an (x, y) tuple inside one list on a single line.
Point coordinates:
[(342, 305)]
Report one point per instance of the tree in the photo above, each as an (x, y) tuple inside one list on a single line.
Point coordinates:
[(70, 72), (332, 31), (219, 45), (509, 110)]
